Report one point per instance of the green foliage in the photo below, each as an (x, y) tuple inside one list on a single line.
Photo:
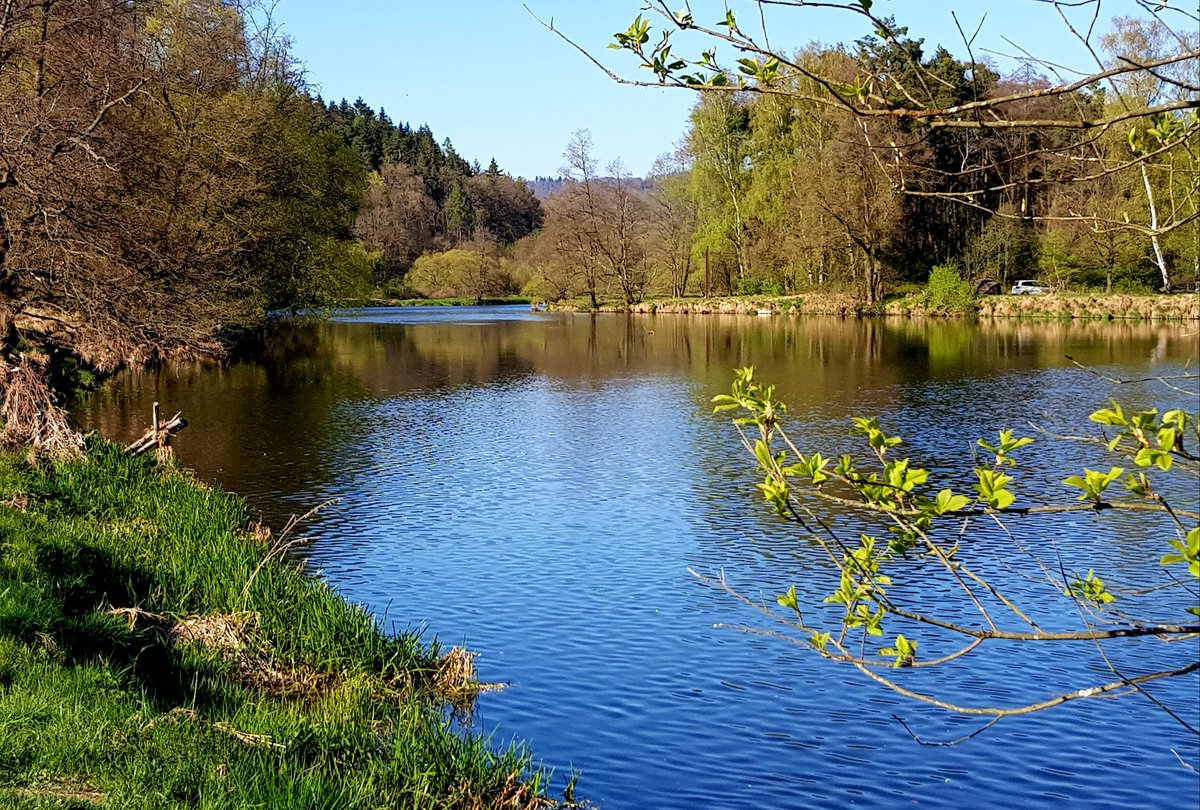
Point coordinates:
[(861, 587), (1091, 588), (1004, 446), (304, 251), (1005, 249), (904, 651), (947, 292), (946, 502), (460, 272), (1154, 440), (1188, 553), (747, 395), (460, 214), (917, 513), (878, 441), (1093, 483), (992, 486), (72, 377)]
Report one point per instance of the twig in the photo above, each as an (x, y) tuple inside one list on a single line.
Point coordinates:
[(919, 741), (281, 544)]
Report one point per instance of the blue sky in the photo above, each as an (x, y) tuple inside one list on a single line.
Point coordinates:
[(485, 74)]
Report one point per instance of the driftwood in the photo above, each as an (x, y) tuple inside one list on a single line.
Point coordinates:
[(158, 437)]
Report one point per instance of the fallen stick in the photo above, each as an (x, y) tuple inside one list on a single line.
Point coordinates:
[(159, 435)]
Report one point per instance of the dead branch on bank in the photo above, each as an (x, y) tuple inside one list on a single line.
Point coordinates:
[(158, 436), (32, 417)]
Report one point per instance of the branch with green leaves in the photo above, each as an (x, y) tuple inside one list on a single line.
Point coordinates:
[(917, 530), (761, 67)]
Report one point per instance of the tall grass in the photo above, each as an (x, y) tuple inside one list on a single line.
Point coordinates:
[(104, 699)]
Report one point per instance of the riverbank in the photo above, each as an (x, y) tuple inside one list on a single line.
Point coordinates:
[(1116, 306), (158, 651)]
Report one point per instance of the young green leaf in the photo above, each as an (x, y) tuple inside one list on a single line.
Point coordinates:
[(904, 651), (947, 501), (1093, 483)]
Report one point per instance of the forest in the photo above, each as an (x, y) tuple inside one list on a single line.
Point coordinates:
[(835, 168), (838, 167), (167, 179)]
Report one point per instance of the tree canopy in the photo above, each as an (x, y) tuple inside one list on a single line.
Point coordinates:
[(869, 162)]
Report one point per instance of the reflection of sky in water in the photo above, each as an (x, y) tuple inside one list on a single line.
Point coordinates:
[(539, 485)]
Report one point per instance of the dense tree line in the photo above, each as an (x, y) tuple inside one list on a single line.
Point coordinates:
[(166, 179), (163, 179), (848, 166), (425, 197)]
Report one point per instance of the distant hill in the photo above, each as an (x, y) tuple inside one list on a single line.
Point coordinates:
[(543, 187)]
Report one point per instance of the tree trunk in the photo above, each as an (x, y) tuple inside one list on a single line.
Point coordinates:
[(1158, 254), (871, 278)]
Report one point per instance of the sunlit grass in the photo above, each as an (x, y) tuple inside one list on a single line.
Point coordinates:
[(112, 693)]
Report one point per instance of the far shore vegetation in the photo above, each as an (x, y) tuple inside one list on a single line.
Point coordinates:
[(158, 209), (916, 302)]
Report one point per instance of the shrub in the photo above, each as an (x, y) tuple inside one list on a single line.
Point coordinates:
[(760, 286), (947, 291)]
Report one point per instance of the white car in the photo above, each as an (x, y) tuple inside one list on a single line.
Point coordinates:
[(1027, 287)]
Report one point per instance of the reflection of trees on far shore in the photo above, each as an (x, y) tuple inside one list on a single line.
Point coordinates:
[(286, 409)]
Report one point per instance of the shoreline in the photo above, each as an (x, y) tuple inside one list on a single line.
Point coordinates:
[(1053, 306)]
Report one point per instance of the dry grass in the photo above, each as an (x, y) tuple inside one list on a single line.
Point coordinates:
[(454, 679), (221, 633), (513, 795), (234, 639), (1184, 307), (826, 303), (182, 715), (73, 792), (32, 416)]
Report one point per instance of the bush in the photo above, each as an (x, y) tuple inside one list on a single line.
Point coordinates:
[(760, 286), (948, 292)]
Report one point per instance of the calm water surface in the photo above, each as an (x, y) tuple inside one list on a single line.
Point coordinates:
[(537, 486)]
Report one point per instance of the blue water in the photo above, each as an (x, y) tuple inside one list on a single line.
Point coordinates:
[(538, 487)]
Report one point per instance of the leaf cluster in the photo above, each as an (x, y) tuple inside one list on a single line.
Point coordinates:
[(914, 507)]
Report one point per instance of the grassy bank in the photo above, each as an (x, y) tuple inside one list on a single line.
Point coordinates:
[(1117, 306), (155, 654)]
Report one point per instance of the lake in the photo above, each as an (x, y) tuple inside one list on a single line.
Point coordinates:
[(537, 486)]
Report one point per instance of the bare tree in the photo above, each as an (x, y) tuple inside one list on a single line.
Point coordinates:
[(140, 163), (673, 218), (397, 217), (599, 222)]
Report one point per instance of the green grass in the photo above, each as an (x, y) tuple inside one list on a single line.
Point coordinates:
[(316, 707)]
